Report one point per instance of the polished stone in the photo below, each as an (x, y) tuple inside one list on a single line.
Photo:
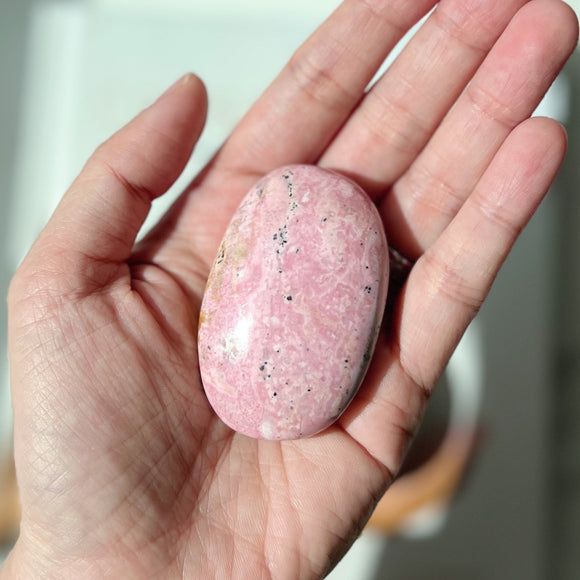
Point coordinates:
[(293, 304)]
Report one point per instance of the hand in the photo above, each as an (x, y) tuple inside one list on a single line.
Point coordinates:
[(124, 470)]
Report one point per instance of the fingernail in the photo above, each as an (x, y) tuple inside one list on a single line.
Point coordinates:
[(184, 80)]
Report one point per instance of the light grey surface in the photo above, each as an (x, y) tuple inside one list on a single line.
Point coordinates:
[(566, 392), (13, 38), (13, 24)]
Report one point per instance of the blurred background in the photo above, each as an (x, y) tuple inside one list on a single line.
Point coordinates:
[(491, 489)]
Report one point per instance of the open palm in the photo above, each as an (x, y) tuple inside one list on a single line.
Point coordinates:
[(124, 469)]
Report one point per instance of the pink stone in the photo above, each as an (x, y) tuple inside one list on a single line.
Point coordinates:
[(293, 304)]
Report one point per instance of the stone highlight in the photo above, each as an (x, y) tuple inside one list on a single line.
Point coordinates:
[(293, 304)]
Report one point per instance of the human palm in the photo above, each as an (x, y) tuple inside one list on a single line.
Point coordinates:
[(124, 469)]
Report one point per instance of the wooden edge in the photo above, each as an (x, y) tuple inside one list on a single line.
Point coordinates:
[(434, 482), (9, 502)]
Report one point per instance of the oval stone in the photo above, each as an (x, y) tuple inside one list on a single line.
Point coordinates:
[(293, 304)]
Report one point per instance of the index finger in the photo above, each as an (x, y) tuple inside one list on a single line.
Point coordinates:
[(313, 95)]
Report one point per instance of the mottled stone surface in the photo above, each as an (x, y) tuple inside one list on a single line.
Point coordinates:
[(293, 304)]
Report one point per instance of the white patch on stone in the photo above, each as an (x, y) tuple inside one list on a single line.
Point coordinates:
[(238, 340), (266, 430)]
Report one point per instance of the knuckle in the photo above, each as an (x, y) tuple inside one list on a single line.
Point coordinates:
[(391, 14), (431, 189), (101, 157), (312, 73), (447, 280), (496, 213), (469, 22), (392, 122), (490, 105)]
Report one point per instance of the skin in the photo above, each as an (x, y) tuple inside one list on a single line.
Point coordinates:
[(124, 470)]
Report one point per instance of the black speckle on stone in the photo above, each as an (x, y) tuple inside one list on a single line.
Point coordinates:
[(274, 394), (281, 236), (287, 178), (368, 289), (288, 298)]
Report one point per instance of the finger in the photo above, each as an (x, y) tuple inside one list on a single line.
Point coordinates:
[(400, 113), (451, 280), (447, 286), (293, 121), (310, 99), (98, 219), (506, 89)]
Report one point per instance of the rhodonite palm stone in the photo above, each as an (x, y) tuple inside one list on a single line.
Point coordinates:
[(293, 304)]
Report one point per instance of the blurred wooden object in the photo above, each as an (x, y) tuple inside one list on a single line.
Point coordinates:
[(417, 502), (434, 483), (9, 503)]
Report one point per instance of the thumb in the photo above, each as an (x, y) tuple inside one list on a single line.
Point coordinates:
[(97, 221)]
